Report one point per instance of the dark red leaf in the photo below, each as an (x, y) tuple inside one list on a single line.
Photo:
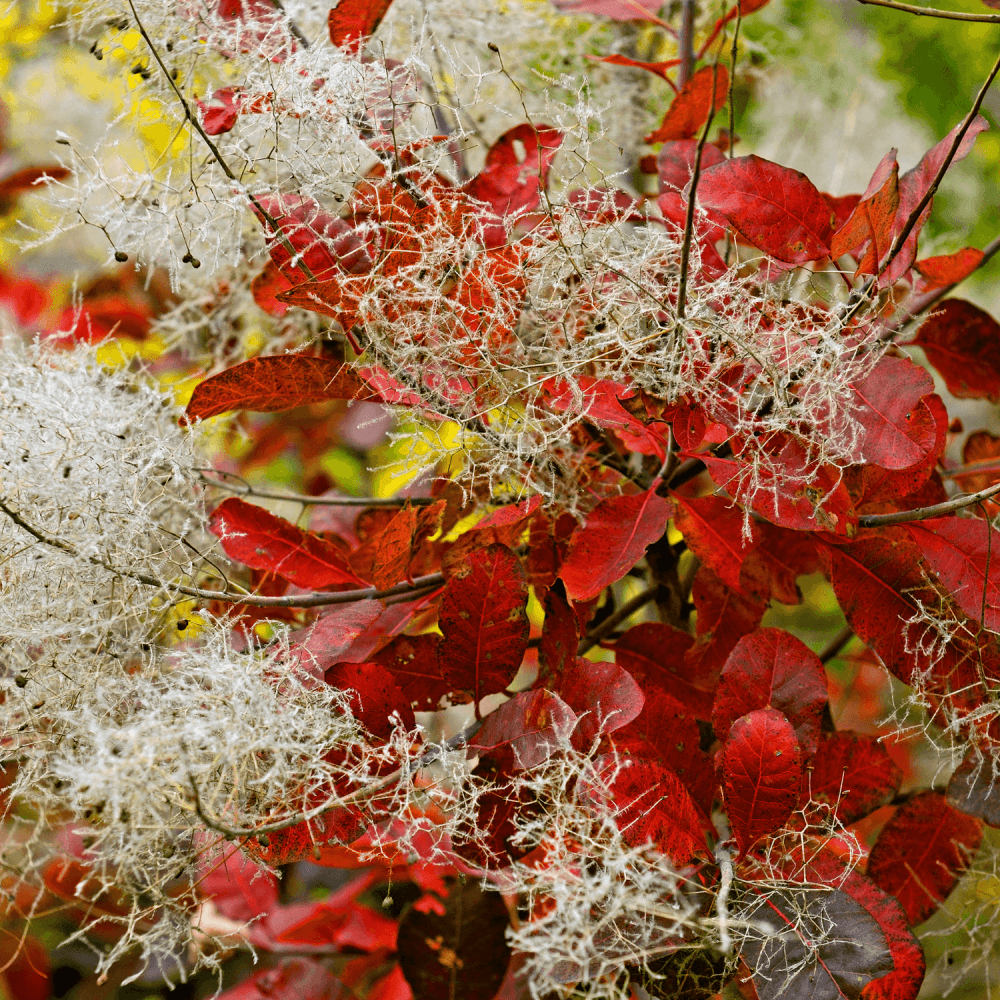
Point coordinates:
[(413, 662), (670, 730), (712, 526), (292, 979), (922, 852), (811, 944), (258, 539), (852, 773), (897, 431), (649, 803), (612, 541), (705, 92), (963, 344), (377, 696), (348, 633), (762, 771), (724, 617), (773, 564), (777, 209), (460, 954), (27, 969), (770, 668), (28, 179), (559, 641), (352, 21), (948, 269), (604, 697), (534, 724), (484, 622), (655, 655), (272, 384), (965, 555)]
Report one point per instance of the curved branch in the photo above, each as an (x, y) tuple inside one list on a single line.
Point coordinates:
[(951, 15), (420, 587), (921, 513)]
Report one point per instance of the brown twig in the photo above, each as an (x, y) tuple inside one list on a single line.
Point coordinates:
[(921, 513), (594, 636), (951, 15), (420, 586), (685, 43), (836, 644), (245, 489)]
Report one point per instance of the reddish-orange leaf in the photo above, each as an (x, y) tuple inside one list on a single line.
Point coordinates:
[(704, 93), (965, 555), (612, 541), (659, 68), (762, 770), (770, 668), (852, 773), (963, 344), (775, 208), (922, 852), (258, 539), (484, 622), (272, 384), (948, 269), (649, 804), (352, 21), (898, 433), (712, 526), (27, 969)]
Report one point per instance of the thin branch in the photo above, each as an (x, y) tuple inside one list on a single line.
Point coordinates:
[(421, 585), (836, 644), (610, 623), (911, 221), (686, 42), (921, 513), (689, 218), (427, 757), (984, 466), (951, 15), (214, 150), (245, 489)]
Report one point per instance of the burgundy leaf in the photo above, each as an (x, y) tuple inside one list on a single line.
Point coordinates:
[(603, 695), (376, 697), (291, 979), (534, 724)]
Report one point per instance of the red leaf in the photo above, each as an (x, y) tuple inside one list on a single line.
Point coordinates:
[(770, 668), (26, 180), (484, 622), (898, 433), (921, 853), (872, 219), (352, 21), (260, 540), (27, 970), (671, 730), (705, 92), (948, 269), (612, 541), (724, 617), (618, 10), (655, 655), (675, 163), (963, 344), (659, 68), (534, 724), (965, 555), (762, 770), (649, 803), (238, 887), (348, 633), (413, 662), (220, 111), (713, 529), (559, 641), (777, 209), (334, 828), (272, 384), (603, 695), (293, 979), (852, 773), (772, 566), (377, 697)]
